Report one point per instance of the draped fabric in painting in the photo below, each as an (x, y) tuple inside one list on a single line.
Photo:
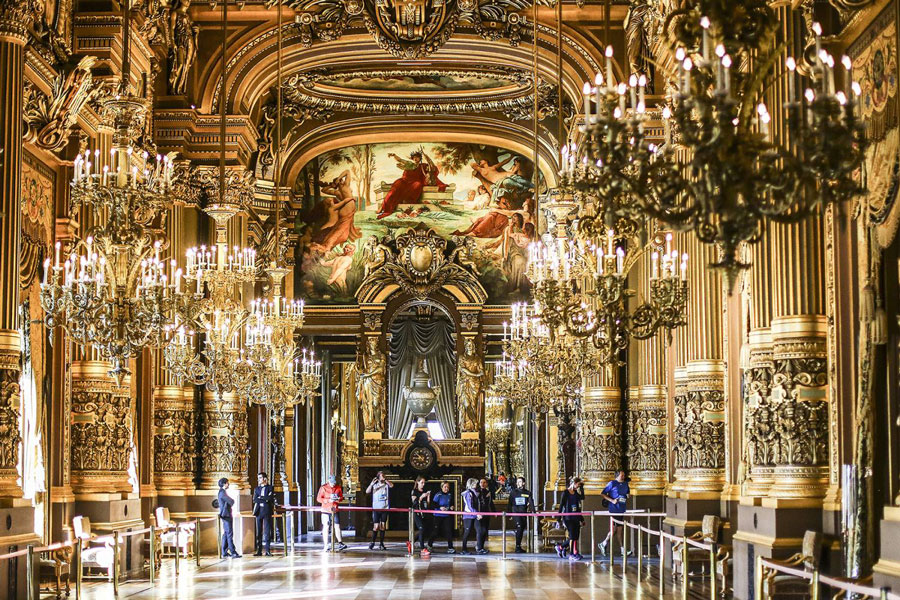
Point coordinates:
[(410, 340)]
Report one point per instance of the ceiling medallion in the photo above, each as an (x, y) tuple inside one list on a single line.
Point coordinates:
[(409, 28)]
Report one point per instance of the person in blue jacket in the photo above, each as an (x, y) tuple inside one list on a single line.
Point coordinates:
[(443, 524), (615, 498), (224, 504)]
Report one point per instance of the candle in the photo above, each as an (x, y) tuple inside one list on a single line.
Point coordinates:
[(654, 261), (622, 90), (791, 65), (666, 115), (764, 119), (848, 73), (632, 87), (598, 83), (609, 67), (586, 90), (817, 30), (642, 84), (686, 83), (726, 70), (704, 23)]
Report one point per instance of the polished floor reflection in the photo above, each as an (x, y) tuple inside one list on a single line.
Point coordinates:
[(361, 574)]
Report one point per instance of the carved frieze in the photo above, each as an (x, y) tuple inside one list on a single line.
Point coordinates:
[(10, 439), (600, 433), (174, 438), (647, 439), (224, 441), (700, 429)]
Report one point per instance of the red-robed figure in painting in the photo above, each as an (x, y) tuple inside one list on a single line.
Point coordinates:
[(408, 189)]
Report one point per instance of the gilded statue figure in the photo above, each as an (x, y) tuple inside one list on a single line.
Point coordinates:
[(370, 382), (469, 381)]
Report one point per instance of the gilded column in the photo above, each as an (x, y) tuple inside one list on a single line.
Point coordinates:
[(799, 395), (14, 19), (174, 418), (699, 426), (599, 431), (647, 397), (758, 450), (224, 441)]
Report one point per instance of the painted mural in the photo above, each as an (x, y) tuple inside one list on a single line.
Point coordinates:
[(354, 196), (414, 81)]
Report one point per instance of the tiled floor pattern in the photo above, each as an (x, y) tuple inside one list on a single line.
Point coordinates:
[(359, 574)]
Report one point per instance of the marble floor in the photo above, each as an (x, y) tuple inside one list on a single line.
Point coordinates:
[(358, 574)]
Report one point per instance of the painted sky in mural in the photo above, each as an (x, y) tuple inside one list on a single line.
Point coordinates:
[(457, 189)]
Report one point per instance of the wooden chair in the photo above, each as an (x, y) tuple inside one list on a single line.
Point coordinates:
[(57, 565), (783, 585), (171, 534), (97, 552), (709, 534), (552, 532)]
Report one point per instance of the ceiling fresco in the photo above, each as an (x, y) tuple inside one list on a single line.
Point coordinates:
[(351, 198)]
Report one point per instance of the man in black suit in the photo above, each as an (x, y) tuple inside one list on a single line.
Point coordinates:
[(263, 510), (224, 502)]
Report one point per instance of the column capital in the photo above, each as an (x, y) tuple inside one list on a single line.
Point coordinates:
[(15, 18)]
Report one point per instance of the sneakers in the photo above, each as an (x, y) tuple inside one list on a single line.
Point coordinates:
[(451, 551), (381, 546), (341, 546), (575, 556), (602, 547), (519, 550), (425, 553), (465, 553), (372, 546), (482, 551)]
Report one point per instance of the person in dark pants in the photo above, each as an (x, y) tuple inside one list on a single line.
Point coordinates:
[(420, 500), (263, 510), (520, 501), (224, 504), (470, 506), (615, 499), (570, 502), (483, 524), (443, 524)]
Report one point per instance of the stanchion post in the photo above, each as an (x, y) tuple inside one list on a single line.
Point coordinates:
[(219, 536), (29, 572), (640, 552), (77, 560), (713, 572), (152, 553), (758, 579), (177, 546), (116, 563), (814, 586), (197, 542), (662, 562), (883, 595), (412, 525), (284, 531), (593, 544), (624, 548), (503, 529), (612, 544), (685, 568)]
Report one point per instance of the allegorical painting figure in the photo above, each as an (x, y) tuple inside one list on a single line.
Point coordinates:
[(358, 194)]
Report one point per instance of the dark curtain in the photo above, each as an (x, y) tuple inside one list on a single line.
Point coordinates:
[(411, 340)]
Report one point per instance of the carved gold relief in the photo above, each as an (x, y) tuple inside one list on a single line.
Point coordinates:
[(224, 441), (10, 439), (371, 377), (174, 437), (101, 430), (49, 119), (699, 431), (469, 386)]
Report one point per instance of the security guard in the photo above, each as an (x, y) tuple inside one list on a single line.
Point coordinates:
[(263, 510)]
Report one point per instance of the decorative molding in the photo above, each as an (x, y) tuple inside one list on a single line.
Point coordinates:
[(50, 119)]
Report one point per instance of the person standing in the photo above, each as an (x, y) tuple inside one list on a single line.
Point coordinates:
[(380, 490), (615, 497), (483, 524), (420, 499), (570, 505), (224, 504), (263, 510), (329, 496), (520, 501), (470, 507), (443, 502)]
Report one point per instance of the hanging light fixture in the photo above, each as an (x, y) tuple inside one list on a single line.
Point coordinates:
[(208, 309), (112, 291), (720, 172)]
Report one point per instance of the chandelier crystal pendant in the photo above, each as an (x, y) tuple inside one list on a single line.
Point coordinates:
[(112, 292), (721, 173)]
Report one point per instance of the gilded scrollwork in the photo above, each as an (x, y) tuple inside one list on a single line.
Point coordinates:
[(600, 433), (50, 118), (700, 429), (224, 442), (173, 442), (647, 439), (10, 438)]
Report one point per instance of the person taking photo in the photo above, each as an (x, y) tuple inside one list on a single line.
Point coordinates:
[(380, 489)]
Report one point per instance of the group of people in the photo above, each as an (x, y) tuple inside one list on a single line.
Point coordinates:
[(476, 500)]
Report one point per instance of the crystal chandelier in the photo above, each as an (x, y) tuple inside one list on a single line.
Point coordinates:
[(721, 173), (112, 291)]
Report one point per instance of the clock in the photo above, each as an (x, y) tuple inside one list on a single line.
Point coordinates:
[(421, 458)]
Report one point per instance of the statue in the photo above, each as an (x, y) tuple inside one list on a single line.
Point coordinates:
[(169, 23), (370, 386), (469, 381)]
